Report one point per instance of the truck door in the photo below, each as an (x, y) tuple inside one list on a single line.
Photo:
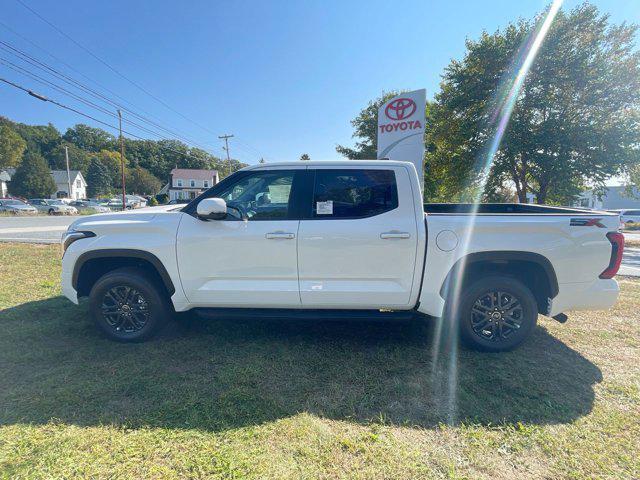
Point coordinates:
[(357, 242), (249, 261)]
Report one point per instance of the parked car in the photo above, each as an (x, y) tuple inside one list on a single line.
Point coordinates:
[(348, 239), (178, 201), (16, 207), (52, 207), (136, 200), (628, 215), (116, 203), (89, 206)]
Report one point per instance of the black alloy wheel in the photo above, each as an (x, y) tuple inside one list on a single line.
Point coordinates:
[(496, 313), (125, 309)]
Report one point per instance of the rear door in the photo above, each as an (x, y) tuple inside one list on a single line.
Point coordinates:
[(357, 243)]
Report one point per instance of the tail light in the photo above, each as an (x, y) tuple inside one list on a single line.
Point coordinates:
[(617, 246)]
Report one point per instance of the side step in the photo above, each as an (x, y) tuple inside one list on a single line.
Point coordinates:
[(306, 314)]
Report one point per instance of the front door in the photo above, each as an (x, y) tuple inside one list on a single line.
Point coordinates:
[(357, 246), (250, 258)]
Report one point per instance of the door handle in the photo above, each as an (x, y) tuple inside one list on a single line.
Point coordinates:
[(279, 235), (394, 234)]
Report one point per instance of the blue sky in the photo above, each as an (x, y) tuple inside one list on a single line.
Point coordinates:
[(285, 77)]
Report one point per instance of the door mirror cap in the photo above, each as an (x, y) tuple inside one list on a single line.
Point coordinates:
[(212, 209)]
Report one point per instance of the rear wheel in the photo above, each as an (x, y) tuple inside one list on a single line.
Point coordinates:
[(496, 313), (128, 306), (51, 211)]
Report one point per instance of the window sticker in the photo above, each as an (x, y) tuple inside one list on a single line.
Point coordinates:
[(324, 208)]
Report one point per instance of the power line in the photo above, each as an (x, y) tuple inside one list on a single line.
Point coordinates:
[(62, 90), (66, 107), (71, 81), (113, 69)]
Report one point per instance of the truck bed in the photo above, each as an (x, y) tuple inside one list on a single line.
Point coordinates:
[(505, 208)]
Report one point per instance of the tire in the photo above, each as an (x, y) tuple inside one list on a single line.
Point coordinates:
[(51, 211), (486, 324), (128, 306)]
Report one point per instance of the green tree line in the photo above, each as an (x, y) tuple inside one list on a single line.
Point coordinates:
[(34, 149), (575, 122)]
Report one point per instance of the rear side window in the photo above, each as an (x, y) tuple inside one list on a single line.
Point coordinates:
[(631, 212), (353, 193)]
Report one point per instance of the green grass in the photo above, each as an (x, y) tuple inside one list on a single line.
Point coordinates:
[(258, 399)]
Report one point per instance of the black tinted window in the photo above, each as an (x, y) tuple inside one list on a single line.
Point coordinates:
[(632, 212), (354, 193)]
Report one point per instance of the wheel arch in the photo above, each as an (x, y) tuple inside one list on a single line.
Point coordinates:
[(532, 269), (92, 265)]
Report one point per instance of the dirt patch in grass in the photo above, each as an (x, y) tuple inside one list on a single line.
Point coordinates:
[(283, 399)]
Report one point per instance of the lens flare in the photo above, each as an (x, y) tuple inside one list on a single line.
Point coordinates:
[(445, 348)]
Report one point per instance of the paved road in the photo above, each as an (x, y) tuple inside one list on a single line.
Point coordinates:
[(49, 230), (34, 229)]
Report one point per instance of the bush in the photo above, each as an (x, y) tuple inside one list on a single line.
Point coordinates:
[(162, 198), (153, 202)]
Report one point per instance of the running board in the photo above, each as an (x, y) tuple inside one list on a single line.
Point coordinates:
[(306, 314)]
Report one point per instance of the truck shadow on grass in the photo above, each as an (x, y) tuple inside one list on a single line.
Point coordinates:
[(216, 375)]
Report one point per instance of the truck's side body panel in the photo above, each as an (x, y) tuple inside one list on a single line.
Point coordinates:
[(578, 253), (142, 230), (364, 263)]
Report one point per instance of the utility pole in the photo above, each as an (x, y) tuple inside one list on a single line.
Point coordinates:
[(124, 196), (226, 148), (66, 157)]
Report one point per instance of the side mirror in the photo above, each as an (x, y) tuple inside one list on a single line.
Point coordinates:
[(212, 209)]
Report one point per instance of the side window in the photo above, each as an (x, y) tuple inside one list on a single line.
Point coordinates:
[(260, 196), (354, 193)]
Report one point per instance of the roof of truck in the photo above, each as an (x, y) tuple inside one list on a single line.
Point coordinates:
[(328, 163)]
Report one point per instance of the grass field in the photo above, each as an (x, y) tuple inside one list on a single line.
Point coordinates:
[(257, 399)]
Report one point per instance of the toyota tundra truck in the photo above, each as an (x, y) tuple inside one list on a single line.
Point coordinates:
[(347, 239)]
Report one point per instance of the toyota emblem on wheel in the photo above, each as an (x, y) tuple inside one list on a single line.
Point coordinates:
[(400, 108)]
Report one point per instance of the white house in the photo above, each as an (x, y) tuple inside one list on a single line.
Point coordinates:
[(614, 199), (78, 184), (187, 184)]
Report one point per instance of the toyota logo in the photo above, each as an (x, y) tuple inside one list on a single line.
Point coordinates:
[(400, 109)]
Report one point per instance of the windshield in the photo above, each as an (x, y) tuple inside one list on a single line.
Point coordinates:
[(55, 202), (13, 202)]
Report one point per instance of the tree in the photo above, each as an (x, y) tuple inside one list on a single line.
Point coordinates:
[(33, 177), (575, 121), (111, 160), (366, 129), (90, 139), (78, 159), (305, 157), (98, 179), (12, 147), (142, 182)]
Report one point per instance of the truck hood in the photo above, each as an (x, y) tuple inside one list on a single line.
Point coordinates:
[(101, 221)]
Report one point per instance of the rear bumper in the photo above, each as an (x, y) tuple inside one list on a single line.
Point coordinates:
[(597, 295)]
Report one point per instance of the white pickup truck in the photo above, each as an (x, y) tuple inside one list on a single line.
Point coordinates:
[(342, 239)]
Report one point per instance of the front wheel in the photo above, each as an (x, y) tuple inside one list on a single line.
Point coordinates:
[(496, 313), (128, 306)]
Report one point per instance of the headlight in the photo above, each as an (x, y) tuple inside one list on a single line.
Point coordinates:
[(71, 236)]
